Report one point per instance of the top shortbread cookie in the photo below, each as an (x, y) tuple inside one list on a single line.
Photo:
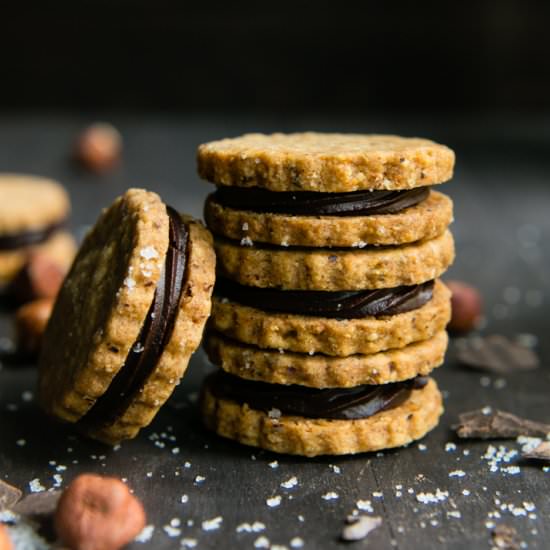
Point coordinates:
[(30, 202), (325, 162)]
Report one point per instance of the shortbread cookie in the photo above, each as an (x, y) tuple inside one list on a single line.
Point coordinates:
[(33, 213), (334, 269), (322, 371), (292, 434), (336, 337), (426, 220), (128, 316), (325, 162)]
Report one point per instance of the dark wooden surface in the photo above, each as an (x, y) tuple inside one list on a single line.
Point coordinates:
[(502, 228)]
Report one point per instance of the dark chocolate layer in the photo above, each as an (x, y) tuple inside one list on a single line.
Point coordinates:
[(154, 335), (341, 305), (14, 241), (334, 403), (309, 203)]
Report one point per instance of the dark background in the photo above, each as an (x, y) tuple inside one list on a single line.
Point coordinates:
[(475, 57)]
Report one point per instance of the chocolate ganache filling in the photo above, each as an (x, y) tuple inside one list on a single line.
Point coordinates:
[(13, 241), (311, 203), (321, 303), (154, 335), (333, 403)]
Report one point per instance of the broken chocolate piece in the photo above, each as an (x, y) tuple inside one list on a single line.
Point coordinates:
[(497, 425), (505, 537), (360, 526), (9, 495), (38, 504), (495, 353), (541, 452)]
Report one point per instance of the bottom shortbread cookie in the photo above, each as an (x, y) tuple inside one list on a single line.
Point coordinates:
[(297, 435)]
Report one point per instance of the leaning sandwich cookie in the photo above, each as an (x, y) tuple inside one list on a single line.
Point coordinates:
[(328, 314), (127, 319), (33, 216)]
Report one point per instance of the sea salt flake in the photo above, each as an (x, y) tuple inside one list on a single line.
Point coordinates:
[(364, 505), (274, 413), (297, 542), (199, 479), (273, 464), (335, 469), (331, 495), (184, 499), (35, 486), (290, 483), (261, 542), (172, 531), (212, 524), (149, 252), (457, 473), (450, 447), (188, 542), (432, 498), (146, 534), (129, 283), (247, 241), (273, 501)]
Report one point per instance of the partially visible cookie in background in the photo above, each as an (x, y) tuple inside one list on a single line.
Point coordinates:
[(33, 216), (130, 313)]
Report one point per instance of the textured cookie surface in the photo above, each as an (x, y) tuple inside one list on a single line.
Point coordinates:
[(30, 202), (423, 221), (60, 247), (335, 269), (321, 371), (193, 312), (325, 162), (312, 437), (90, 333), (337, 337)]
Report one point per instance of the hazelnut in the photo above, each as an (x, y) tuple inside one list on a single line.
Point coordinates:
[(98, 513), (30, 324), (5, 542), (40, 277), (466, 305), (99, 147)]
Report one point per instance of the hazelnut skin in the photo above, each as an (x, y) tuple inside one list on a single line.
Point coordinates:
[(99, 148), (40, 277), (5, 542), (30, 324), (466, 306), (98, 513)]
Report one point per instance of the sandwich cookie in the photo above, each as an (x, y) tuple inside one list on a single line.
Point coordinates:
[(129, 315), (385, 319), (334, 269), (323, 371), (310, 422), (309, 219), (328, 311), (33, 216)]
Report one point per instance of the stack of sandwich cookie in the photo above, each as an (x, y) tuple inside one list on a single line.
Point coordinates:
[(328, 313), (33, 215), (129, 315)]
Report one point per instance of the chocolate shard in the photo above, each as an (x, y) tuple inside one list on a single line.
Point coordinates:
[(505, 537), (359, 527), (495, 353), (541, 452), (9, 496), (38, 504), (497, 425)]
